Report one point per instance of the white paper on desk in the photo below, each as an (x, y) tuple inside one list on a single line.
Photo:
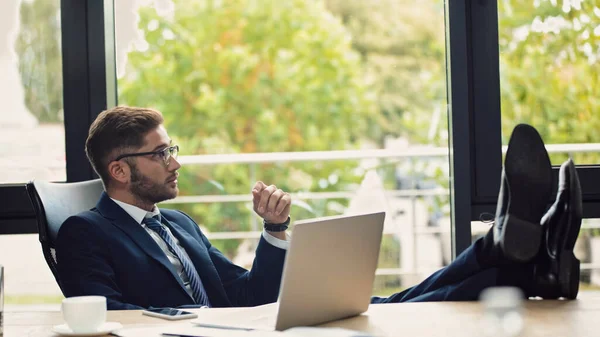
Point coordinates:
[(179, 330), (261, 317), (148, 331), (323, 332), (293, 332), (191, 330), (195, 331)]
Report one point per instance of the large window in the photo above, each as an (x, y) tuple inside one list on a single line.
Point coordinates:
[(32, 134), (31, 118), (287, 76)]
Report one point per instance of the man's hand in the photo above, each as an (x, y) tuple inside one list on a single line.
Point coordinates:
[(271, 203)]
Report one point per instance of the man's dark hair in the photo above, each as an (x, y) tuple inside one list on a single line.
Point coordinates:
[(117, 131)]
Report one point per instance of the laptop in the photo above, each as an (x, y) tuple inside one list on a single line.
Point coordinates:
[(328, 275), (329, 269)]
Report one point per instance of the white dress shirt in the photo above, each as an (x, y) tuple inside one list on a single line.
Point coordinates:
[(139, 214)]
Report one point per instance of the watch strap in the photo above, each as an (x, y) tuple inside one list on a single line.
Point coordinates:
[(276, 227)]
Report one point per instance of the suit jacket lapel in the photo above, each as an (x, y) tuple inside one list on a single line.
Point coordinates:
[(110, 210), (201, 260)]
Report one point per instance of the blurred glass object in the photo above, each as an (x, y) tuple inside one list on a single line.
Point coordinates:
[(503, 311)]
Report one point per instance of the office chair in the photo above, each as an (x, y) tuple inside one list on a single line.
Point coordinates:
[(53, 203)]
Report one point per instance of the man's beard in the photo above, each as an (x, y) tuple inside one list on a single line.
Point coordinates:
[(148, 191)]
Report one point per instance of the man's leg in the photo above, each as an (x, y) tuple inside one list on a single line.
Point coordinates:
[(465, 290), (469, 289), (464, 278), (515, 238), (553, 273), (462, 268)]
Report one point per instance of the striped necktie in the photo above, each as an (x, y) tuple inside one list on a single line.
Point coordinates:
[(188, 268)]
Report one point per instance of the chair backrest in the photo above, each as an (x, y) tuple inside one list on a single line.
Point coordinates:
[(53, 203)]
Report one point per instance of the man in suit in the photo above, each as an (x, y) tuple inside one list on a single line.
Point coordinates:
[(139, 256)]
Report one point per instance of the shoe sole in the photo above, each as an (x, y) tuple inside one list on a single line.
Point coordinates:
[(568, 275), (529, 178), (568, 264)]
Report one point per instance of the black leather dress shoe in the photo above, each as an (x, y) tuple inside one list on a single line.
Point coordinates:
[(525, 191), (556, 269)]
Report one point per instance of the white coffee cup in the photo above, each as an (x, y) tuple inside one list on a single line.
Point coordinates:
[(84, 313)]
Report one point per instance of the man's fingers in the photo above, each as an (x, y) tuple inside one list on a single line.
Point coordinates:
[(274, 200), (258, 187), (284, 203), (269, 200), (286, 210), (264, 197), (255, 199)]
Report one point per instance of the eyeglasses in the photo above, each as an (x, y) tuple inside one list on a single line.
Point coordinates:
[(165, 154)]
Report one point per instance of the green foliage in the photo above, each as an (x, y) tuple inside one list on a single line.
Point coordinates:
[(252, 76), (549, 54), (40, 64), (402, 46)]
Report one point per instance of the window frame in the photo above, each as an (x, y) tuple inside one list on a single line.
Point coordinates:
[(474, 111), (486, 120)]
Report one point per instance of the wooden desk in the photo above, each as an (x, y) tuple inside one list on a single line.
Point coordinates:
[(542, 318)]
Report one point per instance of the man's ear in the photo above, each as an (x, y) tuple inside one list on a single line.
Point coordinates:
[(119, 171)]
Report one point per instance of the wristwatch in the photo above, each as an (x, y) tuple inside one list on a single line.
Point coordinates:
[(271, 227)]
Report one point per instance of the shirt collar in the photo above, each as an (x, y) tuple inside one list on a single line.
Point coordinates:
[(137, 213)]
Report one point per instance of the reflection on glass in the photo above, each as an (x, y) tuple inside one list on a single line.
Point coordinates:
[(287, 76), (550, 61), (32, 144)]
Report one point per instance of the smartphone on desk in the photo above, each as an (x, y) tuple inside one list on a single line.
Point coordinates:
[(171, 314)]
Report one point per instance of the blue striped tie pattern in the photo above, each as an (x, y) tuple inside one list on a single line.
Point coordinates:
[(195, 283)]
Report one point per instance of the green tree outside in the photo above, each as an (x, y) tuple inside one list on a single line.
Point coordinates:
[(253, 76), (402, 47), (40, 64), (549, 66)]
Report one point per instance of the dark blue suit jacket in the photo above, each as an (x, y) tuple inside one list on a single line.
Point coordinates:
[(106, 252)]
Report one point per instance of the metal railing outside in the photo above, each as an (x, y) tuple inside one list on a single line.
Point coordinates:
[(411, 154)]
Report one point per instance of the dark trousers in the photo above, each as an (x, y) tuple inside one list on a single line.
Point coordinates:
[(462, 280)]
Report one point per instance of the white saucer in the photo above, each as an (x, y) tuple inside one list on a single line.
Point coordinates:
[(104, 329)]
